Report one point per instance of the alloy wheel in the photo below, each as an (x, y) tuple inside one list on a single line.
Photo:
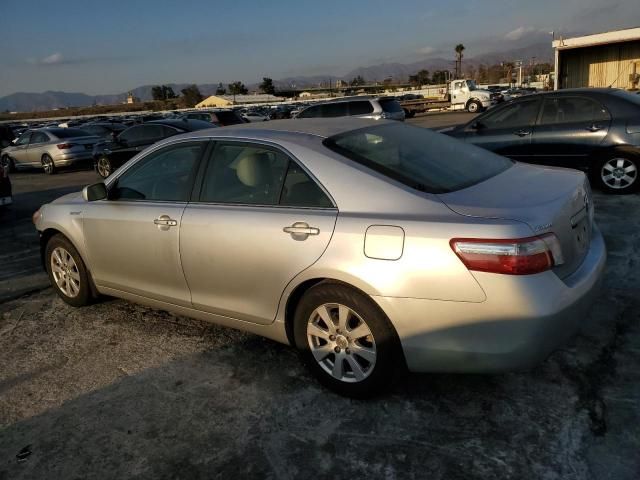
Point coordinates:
[(619, 173), (65, 272), (47, 164), (104, 167), (341, 342)]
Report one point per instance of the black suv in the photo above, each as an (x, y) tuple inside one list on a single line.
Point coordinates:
[(107, 156)]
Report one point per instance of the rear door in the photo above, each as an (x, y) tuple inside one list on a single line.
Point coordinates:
[(507, 130), (569, 129), (37, 146), (258, 220)]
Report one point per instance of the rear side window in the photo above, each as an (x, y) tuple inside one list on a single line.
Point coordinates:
[(301, 191), (39, 137), (361, 107), (572, 110), (229, 118), (390, 105), (421, 159), (334, 109)]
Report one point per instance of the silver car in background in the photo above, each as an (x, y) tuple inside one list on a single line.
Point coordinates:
[(368, 245), (49, 149), (377, 108)]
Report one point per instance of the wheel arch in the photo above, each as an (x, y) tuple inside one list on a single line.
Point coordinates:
[(298, 292), (46, 235)]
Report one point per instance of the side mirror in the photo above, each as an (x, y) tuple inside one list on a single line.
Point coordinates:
[(97, 191), (477, 126)]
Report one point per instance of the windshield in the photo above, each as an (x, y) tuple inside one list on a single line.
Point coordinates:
[(419, 158), (472, 85)]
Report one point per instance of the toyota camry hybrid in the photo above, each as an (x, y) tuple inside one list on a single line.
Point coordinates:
[(370, 246)]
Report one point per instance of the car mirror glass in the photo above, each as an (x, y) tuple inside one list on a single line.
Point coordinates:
[(92, 193)]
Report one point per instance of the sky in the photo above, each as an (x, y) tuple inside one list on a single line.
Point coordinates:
[(105, 47)]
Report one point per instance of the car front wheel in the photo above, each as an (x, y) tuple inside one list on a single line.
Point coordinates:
[(346, 340), (619, 174), (67, 272)]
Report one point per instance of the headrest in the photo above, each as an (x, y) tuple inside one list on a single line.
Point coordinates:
[(253, 169)]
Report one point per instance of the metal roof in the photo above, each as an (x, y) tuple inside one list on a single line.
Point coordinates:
[(627, 35)]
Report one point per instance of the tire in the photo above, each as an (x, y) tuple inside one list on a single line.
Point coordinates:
[(48, 165), (474, 106), (67, 272), (104, 167), (619, 173), (367, 362)]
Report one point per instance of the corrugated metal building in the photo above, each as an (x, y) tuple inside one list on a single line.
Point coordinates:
[(610, 59)]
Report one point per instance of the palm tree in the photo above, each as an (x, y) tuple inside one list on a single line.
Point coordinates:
[(459, 49)]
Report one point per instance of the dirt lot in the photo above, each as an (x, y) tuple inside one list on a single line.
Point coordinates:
[(116, 390)]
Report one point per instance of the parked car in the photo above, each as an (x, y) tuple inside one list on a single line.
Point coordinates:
[(254, 117), (595, 130), (220, 118), (5, 186), (363, 107), (110, 155), (104, 129), (368, 245), (49, 148)]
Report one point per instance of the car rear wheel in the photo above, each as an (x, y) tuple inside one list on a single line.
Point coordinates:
[(104, 167), (474, 106), (67, 272), (346, 340), (619, 174), (47, 164)]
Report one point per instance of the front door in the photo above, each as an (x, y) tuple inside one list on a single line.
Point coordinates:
[(19, 152), (259, 220), (506, 130), (569, 130), (133, 236)]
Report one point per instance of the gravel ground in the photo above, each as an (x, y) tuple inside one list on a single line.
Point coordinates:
[(117, 390)]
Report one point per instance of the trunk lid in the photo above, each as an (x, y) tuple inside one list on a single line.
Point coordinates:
[(547, 199)]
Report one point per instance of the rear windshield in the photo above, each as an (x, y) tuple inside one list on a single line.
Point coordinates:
[(229, 118), (68, 132), (419, 158), (390, 105)]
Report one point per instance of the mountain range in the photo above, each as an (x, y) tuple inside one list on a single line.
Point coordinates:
[(49, 100)]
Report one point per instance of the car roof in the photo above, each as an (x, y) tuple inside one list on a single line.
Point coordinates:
[(182, 124), (320, 127)]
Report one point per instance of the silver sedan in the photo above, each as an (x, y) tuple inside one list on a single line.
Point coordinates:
[(49, 149), (368, 245)]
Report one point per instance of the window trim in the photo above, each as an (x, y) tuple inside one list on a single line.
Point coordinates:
[(112, 182), (207, 159)]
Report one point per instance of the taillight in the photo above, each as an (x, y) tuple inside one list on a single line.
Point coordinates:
[(521, 256), (64, 146)]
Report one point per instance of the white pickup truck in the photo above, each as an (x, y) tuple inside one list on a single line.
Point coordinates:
[(462, 94)]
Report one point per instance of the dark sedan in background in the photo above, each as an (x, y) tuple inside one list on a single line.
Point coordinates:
[(594, 130), (108, 156), (106, 130)]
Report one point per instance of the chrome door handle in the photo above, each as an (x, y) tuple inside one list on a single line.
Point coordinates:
[(594, 128), (165, 221), (301, 230), (522, 133)]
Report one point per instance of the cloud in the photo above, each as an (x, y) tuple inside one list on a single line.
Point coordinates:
[(426, 50), (519, 32), (53, 59)]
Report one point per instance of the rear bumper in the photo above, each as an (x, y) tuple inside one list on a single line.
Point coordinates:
[(522, 321), (66, 159)]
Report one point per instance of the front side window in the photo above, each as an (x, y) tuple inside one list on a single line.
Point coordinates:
[(421, 159), (332, 110), (24, 138), (515, 115), (164, 175), (245, 174), (572, 110)]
